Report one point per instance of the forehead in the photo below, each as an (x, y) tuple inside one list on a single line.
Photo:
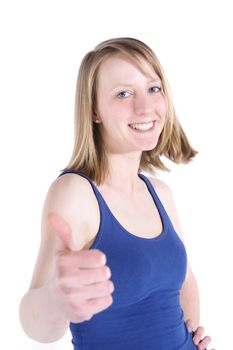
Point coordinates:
[(119, 68)]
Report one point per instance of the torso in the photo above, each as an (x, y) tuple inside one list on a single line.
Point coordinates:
[(138, 216)]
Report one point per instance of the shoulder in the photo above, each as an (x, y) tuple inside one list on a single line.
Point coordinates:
[(161, 188), (165, 195), (70, 196), (71, 193), (67, 186)]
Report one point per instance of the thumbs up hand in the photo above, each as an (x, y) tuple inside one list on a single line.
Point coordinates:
[(80, 285)]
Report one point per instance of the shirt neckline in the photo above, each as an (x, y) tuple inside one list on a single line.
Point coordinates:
[(157, 204)]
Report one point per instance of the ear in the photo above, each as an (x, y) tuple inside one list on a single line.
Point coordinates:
[(96, 119)]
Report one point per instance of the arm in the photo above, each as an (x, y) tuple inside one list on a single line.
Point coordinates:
[(40, 318), (189, 297), (40, 315)]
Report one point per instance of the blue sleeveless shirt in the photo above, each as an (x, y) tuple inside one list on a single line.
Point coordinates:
[(148, 274)]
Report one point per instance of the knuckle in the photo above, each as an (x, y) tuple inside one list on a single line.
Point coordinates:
[(102, 303), (110, 286), (77, 307), (67, 286), (106, 286), (107, 301), (110, 299), (100, 256), (105, 272)]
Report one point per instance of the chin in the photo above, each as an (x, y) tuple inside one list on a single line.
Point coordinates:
[(149, 147)]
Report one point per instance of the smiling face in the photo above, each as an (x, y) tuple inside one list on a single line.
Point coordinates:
[(130, 105)]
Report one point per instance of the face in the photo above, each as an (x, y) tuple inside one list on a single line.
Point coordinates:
[(130, 105)]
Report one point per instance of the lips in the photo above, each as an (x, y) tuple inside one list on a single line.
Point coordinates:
[(141, 127), (144, 122)]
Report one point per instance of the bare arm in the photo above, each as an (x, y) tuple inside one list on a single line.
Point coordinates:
[(189, 297), (39, 314), (40, 311), (40, 317)]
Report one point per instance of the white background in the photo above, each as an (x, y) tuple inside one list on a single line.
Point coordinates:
[(42, 44)]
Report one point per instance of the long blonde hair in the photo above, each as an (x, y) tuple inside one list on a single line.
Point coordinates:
[(88, 154)]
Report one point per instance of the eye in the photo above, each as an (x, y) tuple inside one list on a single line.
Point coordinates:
[(154, 88), (123, 94)]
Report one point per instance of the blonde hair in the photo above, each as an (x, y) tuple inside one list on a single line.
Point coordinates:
[(88, 154)]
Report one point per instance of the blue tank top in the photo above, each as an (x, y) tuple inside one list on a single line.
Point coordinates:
[(148, 274)]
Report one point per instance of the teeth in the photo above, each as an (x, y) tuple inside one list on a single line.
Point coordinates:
[(144, 126)]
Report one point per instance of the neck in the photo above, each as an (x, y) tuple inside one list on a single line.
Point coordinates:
[(123, 173)]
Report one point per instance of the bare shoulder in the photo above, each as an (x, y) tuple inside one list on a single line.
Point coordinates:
[(161, 188), (71, 197), (165, 195), (67, 191)]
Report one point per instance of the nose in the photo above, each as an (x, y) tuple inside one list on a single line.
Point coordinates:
[(143, 105)]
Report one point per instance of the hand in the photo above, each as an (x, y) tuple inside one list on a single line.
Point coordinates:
[(80, 285), (197, 335)]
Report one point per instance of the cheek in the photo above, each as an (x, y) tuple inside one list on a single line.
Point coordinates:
[(114, 109), (105, 113), (122, 107), (120, 112), (161, 106)]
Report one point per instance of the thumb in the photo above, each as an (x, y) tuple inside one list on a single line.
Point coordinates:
[(63, 232), (189, 324)]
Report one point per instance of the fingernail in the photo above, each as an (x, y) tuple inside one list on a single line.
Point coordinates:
[(104, 259)]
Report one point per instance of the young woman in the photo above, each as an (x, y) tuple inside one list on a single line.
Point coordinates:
[(112, 264)]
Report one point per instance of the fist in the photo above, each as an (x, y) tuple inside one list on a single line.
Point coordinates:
[(80, 284)]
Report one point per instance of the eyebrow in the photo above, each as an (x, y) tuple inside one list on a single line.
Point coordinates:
[(156, 80)]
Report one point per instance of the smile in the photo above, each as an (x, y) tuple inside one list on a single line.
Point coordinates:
[(143, 126)]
